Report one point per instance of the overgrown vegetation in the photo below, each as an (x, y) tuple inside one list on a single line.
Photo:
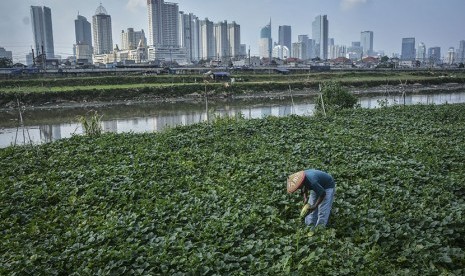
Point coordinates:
[(91, 124), (211, 198), (334, 98)]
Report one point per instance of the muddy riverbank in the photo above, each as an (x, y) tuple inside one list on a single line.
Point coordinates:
[(57, 100)]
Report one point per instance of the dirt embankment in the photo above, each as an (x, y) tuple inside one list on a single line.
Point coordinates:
[(87, 99)]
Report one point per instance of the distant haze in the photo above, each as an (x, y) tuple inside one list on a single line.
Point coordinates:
[(434, 22)]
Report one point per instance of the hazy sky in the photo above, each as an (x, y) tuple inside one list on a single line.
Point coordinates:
[(434, 22)]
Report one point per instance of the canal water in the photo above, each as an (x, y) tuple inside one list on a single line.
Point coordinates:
[(45, 125)]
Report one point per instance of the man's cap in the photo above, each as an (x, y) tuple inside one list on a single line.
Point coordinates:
[(295, 181)]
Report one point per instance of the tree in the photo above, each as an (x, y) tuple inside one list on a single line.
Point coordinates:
[(6, 62), (384, 59)]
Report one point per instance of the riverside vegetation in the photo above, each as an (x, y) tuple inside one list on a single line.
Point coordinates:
[(36, 91), (211, 198)]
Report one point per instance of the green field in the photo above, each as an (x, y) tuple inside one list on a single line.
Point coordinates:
[(211, 198)]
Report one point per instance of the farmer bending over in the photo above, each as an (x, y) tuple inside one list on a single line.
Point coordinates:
[(321, 187)]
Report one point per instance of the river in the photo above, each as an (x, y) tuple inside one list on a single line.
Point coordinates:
[(42, 125)]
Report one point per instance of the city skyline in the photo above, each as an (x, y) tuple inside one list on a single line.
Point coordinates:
[(389, 20)]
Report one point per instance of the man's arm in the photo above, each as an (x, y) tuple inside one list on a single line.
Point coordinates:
[(318, 202), (319, 190)]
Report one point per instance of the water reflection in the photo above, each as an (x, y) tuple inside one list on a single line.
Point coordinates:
[(46, 126)]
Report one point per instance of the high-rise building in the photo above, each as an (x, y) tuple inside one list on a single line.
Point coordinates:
[(266, 42), (355, 51), (189, 35), (101, 25), (220, 33), (434, 55), (42, 31), (299, 50), (234, 37), (336, 51), (320, 32), (450, 59), (285, 36), (461, 52), (163, 23), (366, 41), (83, 45), (131, 39), (83, 30), (408, 48), (170, 24), (421, 52), (309, 45), (243, 50), (207, 41)]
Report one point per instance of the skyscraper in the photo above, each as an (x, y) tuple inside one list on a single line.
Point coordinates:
[(265, 43), (285, 36), (220, 33), (189, 35), (421, 52), (309, 46), (83, 30), (83, 45), (450, 59), (163, 23), (461, 51), (170, 25), (299, 50), (131, 39), (101, 25), (408, 48), (234, 37), (207, 42), (366, 41), (42, 31), (434, 55), (320, 32)]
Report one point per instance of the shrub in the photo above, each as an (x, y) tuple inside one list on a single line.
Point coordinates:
[(334, 97)]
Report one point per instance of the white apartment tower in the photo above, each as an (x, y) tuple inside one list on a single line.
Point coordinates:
[(101, 26), (189, 35), (207, 41), (163, 23), (220, 32), (234, 36), (131, 39), (421, 52)]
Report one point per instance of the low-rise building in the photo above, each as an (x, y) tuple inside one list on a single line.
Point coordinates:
[(6, 54)]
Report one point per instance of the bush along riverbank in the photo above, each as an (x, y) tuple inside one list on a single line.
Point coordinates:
[(211, 198), (108, 89)]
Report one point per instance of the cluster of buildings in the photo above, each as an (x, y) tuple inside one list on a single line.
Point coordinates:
[(176, 37), (173, 37), (322, 48)]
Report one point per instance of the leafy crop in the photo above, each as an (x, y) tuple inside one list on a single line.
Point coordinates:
[(211, 198)]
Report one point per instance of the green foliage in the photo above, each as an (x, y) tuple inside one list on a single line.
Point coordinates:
[(211, 198), (5, 62), (92, 124), (334, 97)]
